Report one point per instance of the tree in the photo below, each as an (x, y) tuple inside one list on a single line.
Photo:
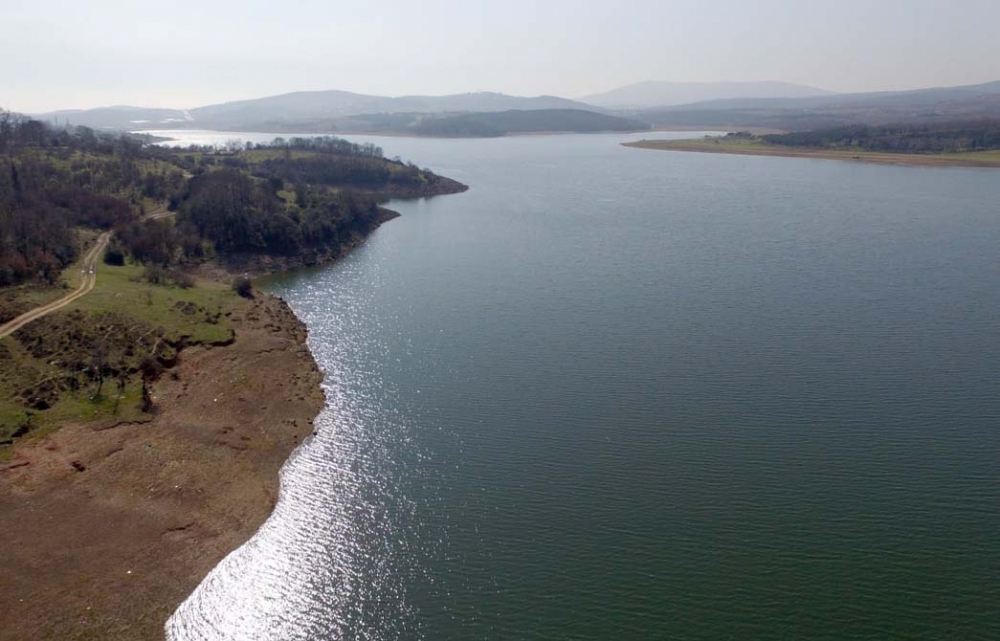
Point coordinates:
[(99, 365), (151, 370), (114, 255), (243, 286)]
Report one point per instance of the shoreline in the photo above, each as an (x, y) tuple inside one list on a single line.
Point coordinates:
[(135, 516), (725, 147), (385, 134), (147, 509)]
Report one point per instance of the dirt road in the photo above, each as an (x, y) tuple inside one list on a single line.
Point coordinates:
[(87, 281)]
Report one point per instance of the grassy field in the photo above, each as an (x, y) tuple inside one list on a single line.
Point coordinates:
[(756, 147), (125, 318), (124, 289)]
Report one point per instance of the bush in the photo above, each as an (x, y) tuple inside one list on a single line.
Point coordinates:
[(243, 286), (156, 275), (114, 255), (182, 280)]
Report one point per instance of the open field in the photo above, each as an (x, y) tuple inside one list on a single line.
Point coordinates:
[(46, 379), (168, 306), (755, 147)]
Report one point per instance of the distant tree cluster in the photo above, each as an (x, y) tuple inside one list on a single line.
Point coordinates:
[(494, 124), (234, 212), (360, 172), (333, 162), (160, 242), (326, 144), (950, 137), (36, 239)]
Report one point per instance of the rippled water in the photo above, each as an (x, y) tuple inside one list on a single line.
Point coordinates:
[(622, 394)]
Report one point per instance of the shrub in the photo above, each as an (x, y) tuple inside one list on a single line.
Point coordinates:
[(243, 286), (114, 255), (155, 274), (182, 280)]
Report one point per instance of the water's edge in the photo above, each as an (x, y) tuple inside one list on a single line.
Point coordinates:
[(297, 324)]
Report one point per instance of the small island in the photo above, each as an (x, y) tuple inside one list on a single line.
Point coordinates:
[(956, 144)]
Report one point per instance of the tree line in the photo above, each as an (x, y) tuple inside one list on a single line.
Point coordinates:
[(952, 137)]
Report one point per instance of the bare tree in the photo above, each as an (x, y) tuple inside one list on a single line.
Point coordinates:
[(99, 364)]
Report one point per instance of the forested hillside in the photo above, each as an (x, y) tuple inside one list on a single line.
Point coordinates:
[(502, 123), (53, 181), (280, 198)]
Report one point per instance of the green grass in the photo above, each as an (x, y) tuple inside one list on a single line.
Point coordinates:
[(81, 406), (124, 289), (260, 155), (196, 315)]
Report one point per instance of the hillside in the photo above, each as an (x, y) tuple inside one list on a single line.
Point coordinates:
[(645, 95), (64, 192), (313, 110), (934, 105), (488, 125)]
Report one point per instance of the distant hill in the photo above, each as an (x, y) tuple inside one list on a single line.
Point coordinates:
[(284, 111), (920, 106), (463, 125), (650, 94), (522, 122), (119, 117)]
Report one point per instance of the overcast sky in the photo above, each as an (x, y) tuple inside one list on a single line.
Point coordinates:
[(178, 53)]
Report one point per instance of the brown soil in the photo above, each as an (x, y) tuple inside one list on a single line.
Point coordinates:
[(105, 532)]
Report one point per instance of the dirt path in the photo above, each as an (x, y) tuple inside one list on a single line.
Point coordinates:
[(89, 270), (89, 279)]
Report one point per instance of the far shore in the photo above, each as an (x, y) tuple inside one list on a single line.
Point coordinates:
[(989, 159), (163, 136)]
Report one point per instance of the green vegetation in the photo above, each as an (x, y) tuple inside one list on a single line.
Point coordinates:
[(193, 314), (92, 360), (520, 121), (60, 189), (951, 137), (89, 361), (745, 143), (54, 181)]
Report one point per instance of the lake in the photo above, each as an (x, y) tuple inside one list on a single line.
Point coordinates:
[(612, 393)]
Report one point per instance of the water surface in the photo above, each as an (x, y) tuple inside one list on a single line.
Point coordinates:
[(612, 393)]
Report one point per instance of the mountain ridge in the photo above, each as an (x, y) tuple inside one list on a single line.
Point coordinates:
[(657, 93), (304, 106)]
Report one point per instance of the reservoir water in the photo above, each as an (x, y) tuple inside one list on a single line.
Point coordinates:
[(612, 393)]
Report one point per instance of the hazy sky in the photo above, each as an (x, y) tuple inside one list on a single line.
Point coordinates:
[(178, 53)]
